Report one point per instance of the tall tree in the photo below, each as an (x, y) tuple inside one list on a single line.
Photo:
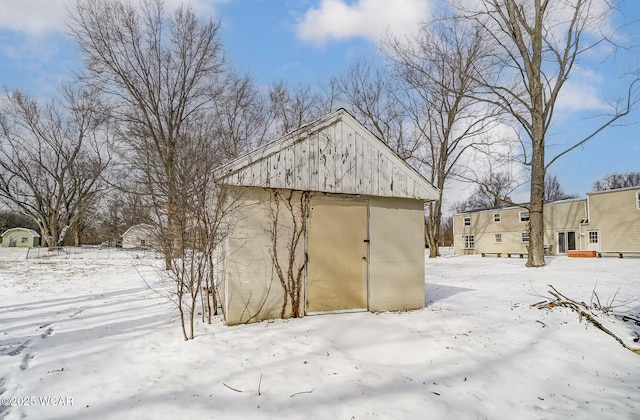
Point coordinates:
[(52, 157), (160, 74), (537, 44), (440, 69)]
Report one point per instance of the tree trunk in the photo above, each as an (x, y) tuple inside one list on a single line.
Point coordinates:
[(536, 206), (433, 228)]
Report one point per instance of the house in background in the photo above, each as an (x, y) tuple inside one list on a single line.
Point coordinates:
[(362, 246), (141, 236), (613, 222), (605, 221), (20, 237)]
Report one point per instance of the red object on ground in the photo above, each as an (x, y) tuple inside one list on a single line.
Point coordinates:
[(581, 254)]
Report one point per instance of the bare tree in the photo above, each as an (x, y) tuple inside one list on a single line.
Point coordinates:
[(372, 94), (536, 45), (288, 216), (446, 231), (553, 190), (160, 73), (117, 211), (52, 157), (241, 116), (291, 108), (493, 191), (197, 219), (10, 220), (440, 68), (615, 181)]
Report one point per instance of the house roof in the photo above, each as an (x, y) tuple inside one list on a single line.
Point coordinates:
[(30, 231), (522, 206), (334, 154), (614, 190)]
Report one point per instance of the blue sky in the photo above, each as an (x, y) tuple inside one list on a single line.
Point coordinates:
[(311, 40)]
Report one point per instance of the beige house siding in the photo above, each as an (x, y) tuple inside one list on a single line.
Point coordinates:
[(484, 229), (564, 216), (615, 214), (604, 221), (559, 216)]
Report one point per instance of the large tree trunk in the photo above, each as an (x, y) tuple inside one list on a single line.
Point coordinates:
[(536, 205)]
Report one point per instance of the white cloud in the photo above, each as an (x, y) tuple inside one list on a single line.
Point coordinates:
[(582, 92), (369, 19), (33, 16), (36, 17)]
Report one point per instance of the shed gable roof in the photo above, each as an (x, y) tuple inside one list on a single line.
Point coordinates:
[(141, 227), (30, 231), (334, 154)]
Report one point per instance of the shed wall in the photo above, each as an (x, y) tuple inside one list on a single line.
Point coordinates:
[(396, 256), (249, 286)]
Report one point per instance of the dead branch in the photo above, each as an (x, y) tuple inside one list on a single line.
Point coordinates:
[(231, 388), (301, 392), (584, 311)]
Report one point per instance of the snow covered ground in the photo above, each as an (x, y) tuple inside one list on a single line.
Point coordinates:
[(83, 337)]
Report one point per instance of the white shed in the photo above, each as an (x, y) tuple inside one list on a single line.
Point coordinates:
[(327, 218), (141, 236)]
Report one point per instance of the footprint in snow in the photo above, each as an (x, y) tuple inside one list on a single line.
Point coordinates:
[(25, 361), (48, 331), (19, 349)]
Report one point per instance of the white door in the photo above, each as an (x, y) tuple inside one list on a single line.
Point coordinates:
[(593, 240)]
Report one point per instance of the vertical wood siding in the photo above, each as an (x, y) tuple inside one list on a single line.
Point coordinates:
[(342, 158)]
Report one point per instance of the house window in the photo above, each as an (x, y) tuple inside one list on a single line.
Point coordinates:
[(525, 236), (24, 240), (467, 220), (498, 237), (524, 216), (593, 236), (496, 217), (468, 242), (638, 200)]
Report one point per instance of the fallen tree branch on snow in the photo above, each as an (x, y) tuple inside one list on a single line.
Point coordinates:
[(585, 311)]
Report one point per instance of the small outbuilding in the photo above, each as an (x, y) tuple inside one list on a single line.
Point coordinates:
[(325, 219), (141, 236), (20, 237)]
